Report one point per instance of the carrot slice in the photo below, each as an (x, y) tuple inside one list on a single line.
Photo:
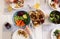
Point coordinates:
[(22, 23)]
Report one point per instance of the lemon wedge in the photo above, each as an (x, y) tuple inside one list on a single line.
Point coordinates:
[(9, 8), (37, 6)]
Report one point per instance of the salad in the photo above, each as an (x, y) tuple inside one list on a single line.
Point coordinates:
[(55, 17), (21, 18), (57, 34)]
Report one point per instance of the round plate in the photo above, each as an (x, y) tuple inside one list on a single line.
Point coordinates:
[(52, 33), (43, 17), (17, 36), (49, 1), (13, 5)]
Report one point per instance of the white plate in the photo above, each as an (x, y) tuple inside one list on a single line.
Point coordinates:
[(52, 33), (16, 36), (13, 5), (58, 9)]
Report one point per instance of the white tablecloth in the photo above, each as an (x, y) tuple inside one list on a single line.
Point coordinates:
[(42, 32)]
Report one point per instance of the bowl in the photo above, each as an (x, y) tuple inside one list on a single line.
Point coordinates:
[(55, 17), (52, 33), (17, 4), (21, 22), (37, 17), (56, 5)]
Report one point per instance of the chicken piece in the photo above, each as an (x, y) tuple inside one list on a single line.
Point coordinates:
[(19, 32), (24, 34), (33, 15), (53, 5), (58, 37), (37, 17)]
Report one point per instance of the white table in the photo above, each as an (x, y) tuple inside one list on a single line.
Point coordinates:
[(41, 33)]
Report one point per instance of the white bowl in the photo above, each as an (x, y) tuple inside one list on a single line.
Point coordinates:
[(52, 33), (13, 5), (58, 9)]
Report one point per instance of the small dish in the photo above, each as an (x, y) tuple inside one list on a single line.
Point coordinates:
[(17, 4), (54, 4), (54, 33)]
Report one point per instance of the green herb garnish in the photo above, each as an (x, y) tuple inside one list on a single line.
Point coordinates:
[(56, 32)]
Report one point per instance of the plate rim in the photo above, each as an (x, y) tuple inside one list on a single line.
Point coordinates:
[(16, 31)]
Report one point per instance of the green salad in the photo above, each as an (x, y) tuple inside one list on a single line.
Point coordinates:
[(21, 18), (55, 17)]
